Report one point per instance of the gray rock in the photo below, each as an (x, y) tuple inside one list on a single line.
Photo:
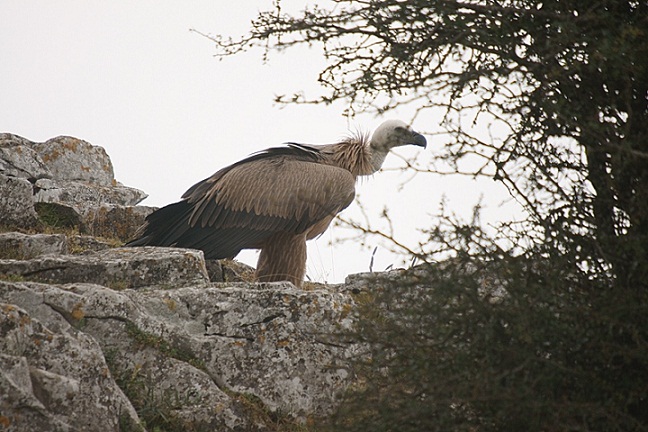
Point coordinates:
[(15, 245), (69, 158), (43, 386), (19, 159), (85, 196), (16, 205), (77, 329), (229, 270), (278, 343), (116, 268), (11, 140), (156, 381)]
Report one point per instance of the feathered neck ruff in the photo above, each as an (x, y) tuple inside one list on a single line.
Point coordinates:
[(356, 155)]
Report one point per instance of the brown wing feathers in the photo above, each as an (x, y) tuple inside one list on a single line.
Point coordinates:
[(279, 190)]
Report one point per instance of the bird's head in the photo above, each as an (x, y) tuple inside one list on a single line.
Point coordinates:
[(395, 133)]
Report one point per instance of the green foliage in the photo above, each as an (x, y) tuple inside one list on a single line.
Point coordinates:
[(155, 408), (57, 216), (496, 343)]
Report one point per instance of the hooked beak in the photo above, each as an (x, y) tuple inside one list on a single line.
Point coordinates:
[(418, 140)]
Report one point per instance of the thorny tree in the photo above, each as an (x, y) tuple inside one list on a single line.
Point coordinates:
[(565, 85)]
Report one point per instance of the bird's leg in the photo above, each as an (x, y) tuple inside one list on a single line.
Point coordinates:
[(282, 258)]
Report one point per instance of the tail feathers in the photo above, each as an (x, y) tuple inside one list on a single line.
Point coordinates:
[(165, 226), (169, 226)]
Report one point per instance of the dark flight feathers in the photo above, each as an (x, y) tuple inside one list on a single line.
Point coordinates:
[(284, 189)]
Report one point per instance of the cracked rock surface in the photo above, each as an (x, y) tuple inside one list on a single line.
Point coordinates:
[(43, 388), (200, 349), (115, 268)]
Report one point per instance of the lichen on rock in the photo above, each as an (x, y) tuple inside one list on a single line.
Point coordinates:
[(66, 176)]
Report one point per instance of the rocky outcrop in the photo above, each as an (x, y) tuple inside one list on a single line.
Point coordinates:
[(95, 337), (205, 356), (65, 182)]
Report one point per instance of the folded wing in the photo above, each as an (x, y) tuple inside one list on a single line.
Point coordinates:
[(287, 189)]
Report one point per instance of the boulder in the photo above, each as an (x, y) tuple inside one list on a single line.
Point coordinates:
[(72, 175), (228, 270), (16, 203), (115, 221), (19, 159), (86, 243), (84, 196), (69, 158)]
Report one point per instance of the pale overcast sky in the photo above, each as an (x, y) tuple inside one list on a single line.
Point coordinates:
[(129, 76)]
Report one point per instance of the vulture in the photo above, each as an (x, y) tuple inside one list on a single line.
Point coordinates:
[(273, 200)]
